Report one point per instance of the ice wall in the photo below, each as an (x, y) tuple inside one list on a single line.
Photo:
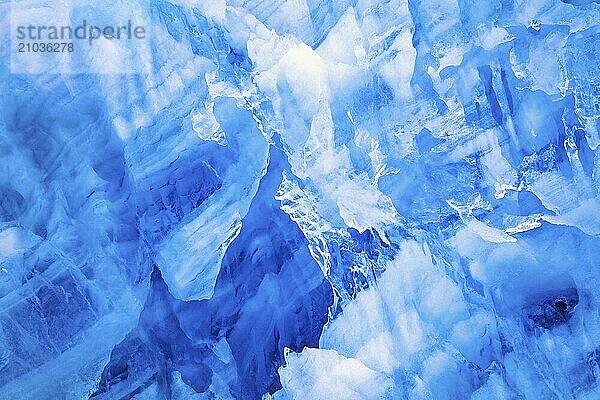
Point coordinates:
[(309, 200)]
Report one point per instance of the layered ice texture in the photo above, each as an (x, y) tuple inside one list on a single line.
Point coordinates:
[(309, 200)]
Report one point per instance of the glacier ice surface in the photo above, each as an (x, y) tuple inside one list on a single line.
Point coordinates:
[(308, 199)]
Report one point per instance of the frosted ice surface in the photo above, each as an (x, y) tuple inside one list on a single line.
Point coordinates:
[(303, 199)]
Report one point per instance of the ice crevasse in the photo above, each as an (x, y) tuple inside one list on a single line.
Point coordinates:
[(308, 200)]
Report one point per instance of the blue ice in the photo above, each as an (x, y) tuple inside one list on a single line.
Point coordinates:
[(308, 200)]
